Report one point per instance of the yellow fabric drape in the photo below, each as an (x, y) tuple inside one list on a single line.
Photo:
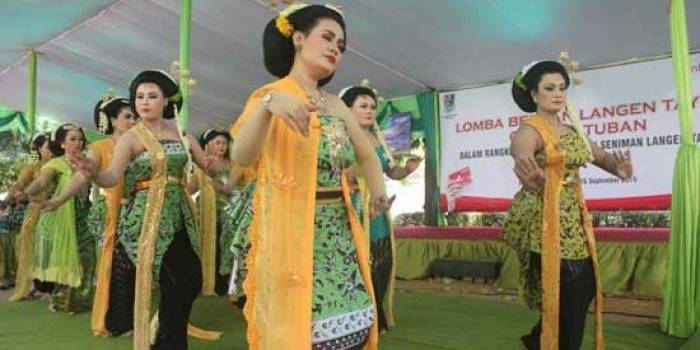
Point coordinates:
[(104, 149), (25, 239), (554, 172), (278, 309), (148, 237), (206, 224), (364, 202), (148, 240)]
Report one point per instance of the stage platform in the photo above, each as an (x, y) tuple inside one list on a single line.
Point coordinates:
[(633, 260)]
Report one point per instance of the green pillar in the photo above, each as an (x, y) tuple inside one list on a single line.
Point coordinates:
[(681, 309), (185, 36), (31, 93), (428, 105)]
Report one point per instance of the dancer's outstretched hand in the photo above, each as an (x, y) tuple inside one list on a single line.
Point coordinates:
[(529, 172), (380, 205), (624, 164), (212, 163), (412, 163), (85, 165)]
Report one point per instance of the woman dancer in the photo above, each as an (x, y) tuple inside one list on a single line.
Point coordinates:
[(25, 239), (548, 223), (308, 283), (215, 240), (156, 228), (64, 251), (111, 313), (362, 102)]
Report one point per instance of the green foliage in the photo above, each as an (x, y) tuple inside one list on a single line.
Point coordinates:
[(632, 219), (13, 156), (600, 219), (9, 171)]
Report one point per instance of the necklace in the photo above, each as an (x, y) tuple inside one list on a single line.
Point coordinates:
[(317, 97), (319, 100)]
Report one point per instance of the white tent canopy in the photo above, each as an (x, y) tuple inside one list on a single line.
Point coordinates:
[(402, 46)]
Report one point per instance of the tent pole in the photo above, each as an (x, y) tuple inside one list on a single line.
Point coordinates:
[(31, 92), (185, 36), (681, 310)]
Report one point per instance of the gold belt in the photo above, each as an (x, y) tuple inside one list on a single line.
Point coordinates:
[(145, 184), (331, 194), (142, 185)]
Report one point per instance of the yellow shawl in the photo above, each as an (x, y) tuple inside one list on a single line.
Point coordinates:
[(148, 237), (280, 261), (104, 149), (25, 240), (554, 171), (206, 224), (147, 244)]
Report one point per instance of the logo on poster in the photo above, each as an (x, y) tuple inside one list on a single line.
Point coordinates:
[(448, 106)]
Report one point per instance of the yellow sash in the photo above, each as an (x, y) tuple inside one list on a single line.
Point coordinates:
[(206, 224), (279, 291), (105, 148), (554, 171), (25, 240), (148, 237)]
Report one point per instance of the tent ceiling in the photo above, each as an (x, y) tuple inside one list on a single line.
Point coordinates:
[(402, 46)]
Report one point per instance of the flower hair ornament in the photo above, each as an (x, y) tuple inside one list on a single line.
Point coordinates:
[(519, 77), (572, 67), (282, 22), (103, 122), (184, 75), (565, 60)]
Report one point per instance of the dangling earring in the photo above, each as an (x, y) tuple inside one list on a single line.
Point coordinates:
[(534, 99), (297, 47)]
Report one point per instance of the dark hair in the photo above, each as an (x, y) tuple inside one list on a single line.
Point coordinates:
[(211, 134), (111, 109), (39, 141), (167, 85), (523, 98), (59, 137), (350, 95), (278, 50)]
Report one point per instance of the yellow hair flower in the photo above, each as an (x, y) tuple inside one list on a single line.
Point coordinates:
[(284, 26)]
